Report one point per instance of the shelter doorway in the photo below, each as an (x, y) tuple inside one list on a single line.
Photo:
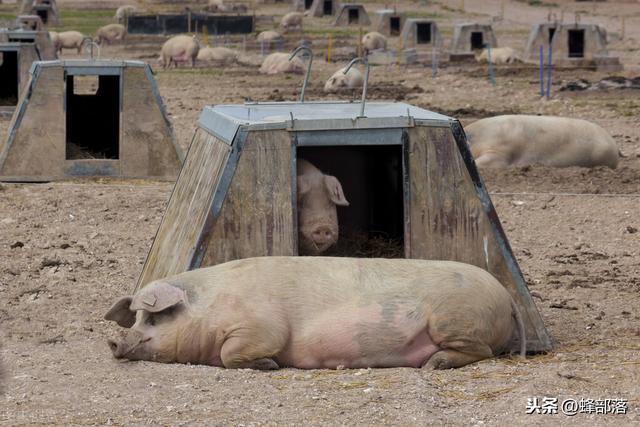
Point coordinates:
[(9, 78), (92, 117), (43, 14), (354, 16), (477, 41), (308, 3), (327, 7), (576, 43), (423, 32), (394, 25), (371, 177), (552, 32)]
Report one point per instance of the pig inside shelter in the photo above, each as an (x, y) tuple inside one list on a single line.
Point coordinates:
[(371, 177)]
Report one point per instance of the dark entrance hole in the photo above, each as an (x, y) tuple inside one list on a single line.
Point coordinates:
[(371, 177), (43, 14), (327, 7), (576, 43), (93, 117), (477, 41), (394, 25), (354, 16), (8, 78), (307, 4), (21, 40), (552, 32), (423, 32)]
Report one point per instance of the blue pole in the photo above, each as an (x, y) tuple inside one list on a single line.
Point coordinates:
[(491, 78), (541, 72), (549, 70)]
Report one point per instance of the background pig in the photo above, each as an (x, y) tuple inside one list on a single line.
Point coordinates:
[(110, 33), (316, 312), (180, 48), (499, 55), (70, 40), (520, 140), (339, 80), (318, 196), (290, 21), (268, 38), (123, 11), (372, 41), (217, 54), (278, 62)]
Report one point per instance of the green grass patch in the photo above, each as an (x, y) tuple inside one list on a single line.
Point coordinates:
[(85, 21)]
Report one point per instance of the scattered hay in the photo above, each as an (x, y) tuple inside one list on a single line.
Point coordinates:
[(359, 244), (492, 394)]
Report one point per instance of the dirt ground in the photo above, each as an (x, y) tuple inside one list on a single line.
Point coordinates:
[(69, 249)]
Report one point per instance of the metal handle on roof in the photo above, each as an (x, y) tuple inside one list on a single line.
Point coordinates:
[(91, 45), (365, 85), (306, 75)]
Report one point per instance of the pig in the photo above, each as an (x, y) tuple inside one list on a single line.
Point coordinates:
[(216, 6), (267, 38), (70, 40), (520, 140), (123, 11), (340, 81), (290, 21), (217, 54), (373, 41), (278, 62), (320, 313), (55, 40), (499, 55), (317, 198), (180, 48), (110, 33)]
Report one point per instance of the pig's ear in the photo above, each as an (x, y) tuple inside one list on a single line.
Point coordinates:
[(303, 185), (121, 313), (335, 190), (157, 297)]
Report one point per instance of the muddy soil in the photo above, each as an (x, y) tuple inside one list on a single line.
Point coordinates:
[(69, 249)]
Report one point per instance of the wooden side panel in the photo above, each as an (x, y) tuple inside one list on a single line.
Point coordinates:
[(448, 221), (257, 216), (146, 146), (39, 145), (187, 209), (27, 55)]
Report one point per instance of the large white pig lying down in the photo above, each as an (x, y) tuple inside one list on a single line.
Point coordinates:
[(317, 312), (267, 38), (340, 81), (180, 48), (69, 40), (277, 62), (373, 41), (520, 140), (499, 55), (110, 33), (317, 198), (290, 21), (221, 55), (123, 11)]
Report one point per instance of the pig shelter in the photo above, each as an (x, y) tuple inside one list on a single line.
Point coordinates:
[(42, 39), (351, 14), (408, 174), (320, 8), (389, 22), (15, 61), (418, 33), (469, 37), (573, 44), (47, 10), (90, 118)]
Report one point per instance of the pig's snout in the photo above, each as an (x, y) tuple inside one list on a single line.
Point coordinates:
[(323, 236), (132, 347), (116, 349)]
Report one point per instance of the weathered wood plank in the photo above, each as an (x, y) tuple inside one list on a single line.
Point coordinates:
[(187, 209), (257, 217)]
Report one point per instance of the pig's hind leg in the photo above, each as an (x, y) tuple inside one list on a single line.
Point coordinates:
[(252, 346), (451, 358)]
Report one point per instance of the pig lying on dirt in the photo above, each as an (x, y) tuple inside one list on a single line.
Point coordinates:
[(180, 48), (222, 55), (340, 81), (373, 41), (69, 40), (316, 312), (520, 140), (318, 196), (290, 21), (268, 38), (499, 55), (110, 33), (277, 62)]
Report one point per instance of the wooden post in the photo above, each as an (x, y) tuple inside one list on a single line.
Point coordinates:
[(462, 5), (360, 42), (502, 9), (189, 21), (329, 46), (205, 35), (622, 31)]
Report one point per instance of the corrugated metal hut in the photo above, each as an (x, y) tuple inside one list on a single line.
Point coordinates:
[(389, 22), (320, 8), (42, 40), (468, 37), (417, 33), (407, 172), (573, 44), (15, 61), (352, 14), (90, 118)]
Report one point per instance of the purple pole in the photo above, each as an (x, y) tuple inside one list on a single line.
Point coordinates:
[(541, 72), (549, 70)]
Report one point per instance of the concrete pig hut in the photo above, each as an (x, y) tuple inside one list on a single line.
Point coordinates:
[(351, 14), (89, 118), (469, 37), (320, 8), (389, 22), (47, 10), (419, 33), (15, 61), (44, 45), (407, 172)]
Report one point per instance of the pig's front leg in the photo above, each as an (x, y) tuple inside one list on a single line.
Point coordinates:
[(251, 348)]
